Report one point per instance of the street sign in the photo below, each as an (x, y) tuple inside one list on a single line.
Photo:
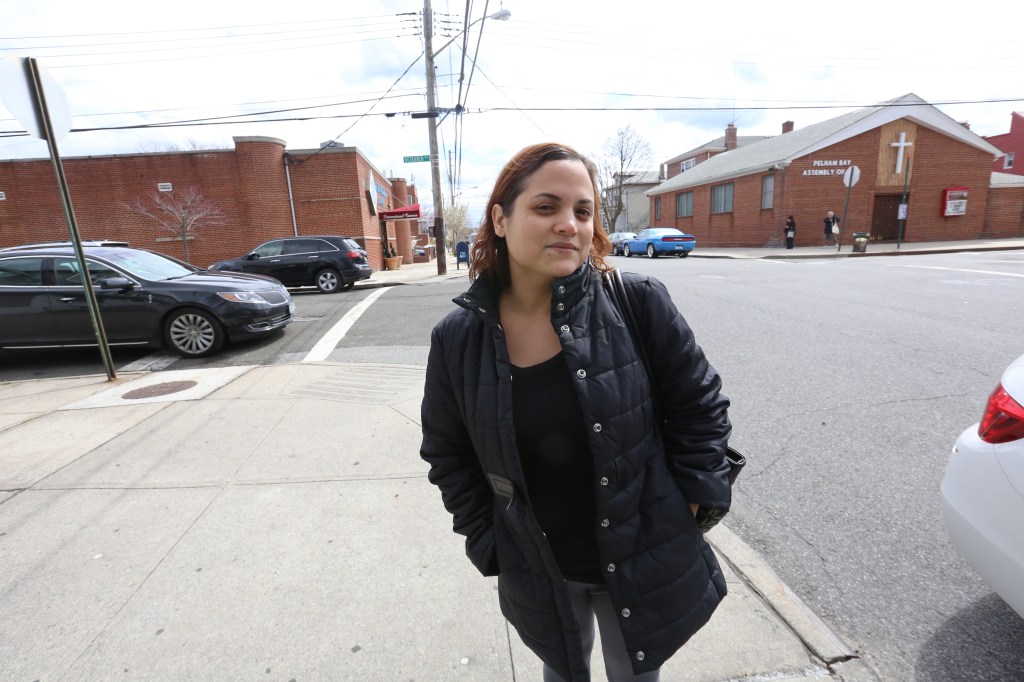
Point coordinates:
[(851, 176), (902, 214), (416, 159)]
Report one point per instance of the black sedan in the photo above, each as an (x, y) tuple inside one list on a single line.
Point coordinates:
[(145, 299)]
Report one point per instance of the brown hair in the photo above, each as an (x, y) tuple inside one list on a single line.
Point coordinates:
[(490, 254)]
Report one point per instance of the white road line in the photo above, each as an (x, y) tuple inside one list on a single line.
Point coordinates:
[(151, 363), (936, 267), (332, 338)]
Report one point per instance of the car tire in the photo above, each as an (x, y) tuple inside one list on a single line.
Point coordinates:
[(626, 252), (651, 253), (684, 254), (328, 281), (347, 286), (193, 333)]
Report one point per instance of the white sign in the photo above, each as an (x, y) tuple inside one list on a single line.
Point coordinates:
[(851, 176), (16, 92), (3, 197), (902, 214), (164, 187)]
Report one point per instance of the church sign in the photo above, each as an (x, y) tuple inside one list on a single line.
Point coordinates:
[(954, 201), (827, 167)]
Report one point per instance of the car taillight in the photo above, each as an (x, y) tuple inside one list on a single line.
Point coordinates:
[(353, 254), (1003, 420)]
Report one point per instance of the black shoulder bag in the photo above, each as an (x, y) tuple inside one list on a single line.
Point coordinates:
[(707, 517)]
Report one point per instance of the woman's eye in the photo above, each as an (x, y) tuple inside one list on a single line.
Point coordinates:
[(585, 212)]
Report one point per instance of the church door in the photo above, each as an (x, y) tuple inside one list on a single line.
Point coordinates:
[(885, 223)]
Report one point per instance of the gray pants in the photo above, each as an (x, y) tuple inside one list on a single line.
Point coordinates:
[(593, 600)]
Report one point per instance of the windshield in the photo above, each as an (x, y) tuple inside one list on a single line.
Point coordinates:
[(147, 265)]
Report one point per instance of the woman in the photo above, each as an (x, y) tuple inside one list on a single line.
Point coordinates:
[(539, 430), (790, 231)]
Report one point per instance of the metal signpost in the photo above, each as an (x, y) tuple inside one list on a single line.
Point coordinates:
[(33, 111), (850, 178)]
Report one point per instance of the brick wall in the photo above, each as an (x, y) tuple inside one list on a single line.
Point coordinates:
[(247, 185), (1005, 215)]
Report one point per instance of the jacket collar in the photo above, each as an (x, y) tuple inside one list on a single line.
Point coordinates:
[(483, 298)]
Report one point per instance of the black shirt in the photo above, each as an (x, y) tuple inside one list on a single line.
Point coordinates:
[(558, 464)]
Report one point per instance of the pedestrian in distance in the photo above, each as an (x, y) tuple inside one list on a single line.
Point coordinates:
[(790, 231), (831, 228), (539, 428)]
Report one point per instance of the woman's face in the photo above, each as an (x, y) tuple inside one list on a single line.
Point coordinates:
[(550, 228)]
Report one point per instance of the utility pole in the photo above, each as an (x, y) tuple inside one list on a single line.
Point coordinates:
[(435, 165)]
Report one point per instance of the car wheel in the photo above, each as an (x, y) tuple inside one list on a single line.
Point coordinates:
[(193, 333), (651, 253), (346, 287), (626, 252), (328, 281)]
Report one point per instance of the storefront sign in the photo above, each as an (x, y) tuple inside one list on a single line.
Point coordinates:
[(404, 213)]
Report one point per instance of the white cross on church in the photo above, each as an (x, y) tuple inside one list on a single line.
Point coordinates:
[(899, 154)]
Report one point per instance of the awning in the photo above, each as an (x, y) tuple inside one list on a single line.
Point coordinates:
[(403, 213)]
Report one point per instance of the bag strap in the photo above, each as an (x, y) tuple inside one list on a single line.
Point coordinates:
[(617, 291)]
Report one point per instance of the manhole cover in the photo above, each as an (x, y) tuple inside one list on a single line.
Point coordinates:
[(159, 389)]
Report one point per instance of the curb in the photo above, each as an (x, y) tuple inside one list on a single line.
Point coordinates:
[(821, 641)]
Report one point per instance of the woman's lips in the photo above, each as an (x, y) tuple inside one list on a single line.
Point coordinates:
[(562, 246)]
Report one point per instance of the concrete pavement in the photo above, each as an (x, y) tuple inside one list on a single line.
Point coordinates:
[(276, 523)]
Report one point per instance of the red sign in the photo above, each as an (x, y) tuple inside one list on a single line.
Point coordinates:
[(404, 213)]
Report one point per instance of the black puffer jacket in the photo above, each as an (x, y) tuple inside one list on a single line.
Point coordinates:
[(660, 573)]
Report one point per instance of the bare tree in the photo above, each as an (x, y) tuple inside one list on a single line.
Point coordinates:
[(625, 155), (179, 212)]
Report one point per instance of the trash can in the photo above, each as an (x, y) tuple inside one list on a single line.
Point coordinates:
[(860, 242)]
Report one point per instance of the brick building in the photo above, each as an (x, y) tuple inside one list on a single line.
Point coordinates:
[(260, 191), (742, 197), (1012, 146)]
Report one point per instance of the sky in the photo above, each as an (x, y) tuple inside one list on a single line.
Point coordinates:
[(576, 72)]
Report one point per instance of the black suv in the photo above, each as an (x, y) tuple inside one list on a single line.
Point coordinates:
[(328, 263)]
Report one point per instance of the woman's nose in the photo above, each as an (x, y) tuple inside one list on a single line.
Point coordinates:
[(566, 222)]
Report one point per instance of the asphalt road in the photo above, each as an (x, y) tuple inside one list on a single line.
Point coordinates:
[(850, 380)]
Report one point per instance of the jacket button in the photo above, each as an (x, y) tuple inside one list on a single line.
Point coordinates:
[(564, 328), (560, 307), (611, 568), (639, 655), (561, 290), (581, 373), (625, 613), (597, 428), (605, 523), (604, 480)]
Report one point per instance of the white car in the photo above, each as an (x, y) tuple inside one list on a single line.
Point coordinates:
[(983, 490)]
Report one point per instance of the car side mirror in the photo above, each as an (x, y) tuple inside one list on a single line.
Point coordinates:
[(122, 283), (252, 256)]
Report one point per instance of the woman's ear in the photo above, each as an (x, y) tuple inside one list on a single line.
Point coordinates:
[(498, 220)]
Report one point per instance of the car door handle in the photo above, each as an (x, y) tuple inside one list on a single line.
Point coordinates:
[(67, 299), (312, 257), (275, 260)]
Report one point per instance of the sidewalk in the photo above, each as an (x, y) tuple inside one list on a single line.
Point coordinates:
[(276, 523)]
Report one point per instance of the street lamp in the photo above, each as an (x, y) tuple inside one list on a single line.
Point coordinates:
[(435, 165)]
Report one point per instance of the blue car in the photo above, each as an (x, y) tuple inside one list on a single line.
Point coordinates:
[(657, 241)]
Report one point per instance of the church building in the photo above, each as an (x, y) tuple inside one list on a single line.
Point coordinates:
[(900, 170)]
